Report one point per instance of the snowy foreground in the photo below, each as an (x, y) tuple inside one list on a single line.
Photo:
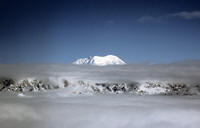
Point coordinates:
[(119, 111), (70, 96)]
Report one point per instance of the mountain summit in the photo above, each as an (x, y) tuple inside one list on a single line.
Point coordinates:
[(100, 60)]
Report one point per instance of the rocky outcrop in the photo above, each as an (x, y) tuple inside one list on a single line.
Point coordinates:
[(81, 87), (26, 85), (144, 88)]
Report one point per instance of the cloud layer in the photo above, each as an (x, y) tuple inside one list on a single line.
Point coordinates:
[(185, 71)]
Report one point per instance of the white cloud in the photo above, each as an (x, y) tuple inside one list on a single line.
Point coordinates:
[(188, 15), (110, 22), (150, 19), (158, 19), (17, 112)]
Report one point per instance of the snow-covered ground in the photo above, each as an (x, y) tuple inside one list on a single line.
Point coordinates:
[(136, 95)]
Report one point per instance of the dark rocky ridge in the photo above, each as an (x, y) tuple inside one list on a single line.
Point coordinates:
[(137, 88), (10, 85), (145, 88)]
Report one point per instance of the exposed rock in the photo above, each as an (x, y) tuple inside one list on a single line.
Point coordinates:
[(26, 85), (81, 87), (5, 83), (66, 83)]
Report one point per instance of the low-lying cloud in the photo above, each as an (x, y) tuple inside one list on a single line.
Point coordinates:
[(185, 71)]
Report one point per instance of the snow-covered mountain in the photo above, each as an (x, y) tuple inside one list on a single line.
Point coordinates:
[(100, 60)]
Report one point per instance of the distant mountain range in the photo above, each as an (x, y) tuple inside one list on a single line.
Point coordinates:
[(100, 60)]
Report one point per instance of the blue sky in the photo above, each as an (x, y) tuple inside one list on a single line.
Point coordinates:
[(61, 31)]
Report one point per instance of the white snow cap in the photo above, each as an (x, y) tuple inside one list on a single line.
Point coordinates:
[(100, 60)]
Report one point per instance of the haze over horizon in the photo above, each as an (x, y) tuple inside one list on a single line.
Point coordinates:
[(41, 31)]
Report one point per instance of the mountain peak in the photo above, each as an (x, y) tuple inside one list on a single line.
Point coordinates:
[(100, 60)]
